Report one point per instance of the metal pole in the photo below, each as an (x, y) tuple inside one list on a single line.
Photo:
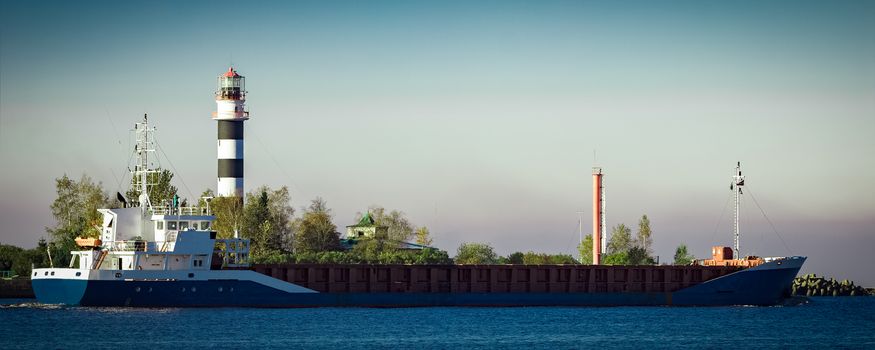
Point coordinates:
[(580, 234), (737, 183), (737, 251), (604, 220)]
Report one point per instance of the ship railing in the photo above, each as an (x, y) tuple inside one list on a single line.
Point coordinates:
[(168, 210), (127, 246), (241, 114), (774, 258)]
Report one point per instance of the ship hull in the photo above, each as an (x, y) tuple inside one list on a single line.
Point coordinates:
[(767, 284)]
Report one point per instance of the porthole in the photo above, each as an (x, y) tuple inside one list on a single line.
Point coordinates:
[(46, 273), (78, 274), (53, 273), (193, 289), (220, 289), (150, 290), (137, 289), (232, 289), (183, 289)]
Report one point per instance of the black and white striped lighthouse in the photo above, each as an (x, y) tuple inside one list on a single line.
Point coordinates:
[(230, 113)]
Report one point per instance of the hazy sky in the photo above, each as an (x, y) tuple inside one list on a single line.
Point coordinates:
[(476, 118)]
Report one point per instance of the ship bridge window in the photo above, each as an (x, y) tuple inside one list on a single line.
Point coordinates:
[(171, 225), (159, 225), (183, 225), (205, 225)]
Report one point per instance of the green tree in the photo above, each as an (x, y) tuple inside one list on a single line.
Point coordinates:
[(229, 216), (515, 258), (432, 256), (8, 254), (257, 225), (38, 257), (585, 250), (267, 218), (638, 256), (565, 259), (532, 258), (644, 239), (160, 193), (621, 240), (621, 258), (281, 217), (316, 232), (423, 237), (20, 261), (75, 213), (682, 257), (475, 253), (369, 249)]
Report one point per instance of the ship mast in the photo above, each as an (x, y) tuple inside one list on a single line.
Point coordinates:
[(140, 174), (735, 186)]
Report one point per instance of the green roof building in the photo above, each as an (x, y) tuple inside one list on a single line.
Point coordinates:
[(366, 228)]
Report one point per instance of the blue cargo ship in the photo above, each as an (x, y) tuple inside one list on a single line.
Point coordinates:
[(169, 256), (765, 284)]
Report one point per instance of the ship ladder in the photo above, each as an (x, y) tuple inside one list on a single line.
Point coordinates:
[(100, 259)]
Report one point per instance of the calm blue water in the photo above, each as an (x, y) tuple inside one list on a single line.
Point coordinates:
[(823, 322)]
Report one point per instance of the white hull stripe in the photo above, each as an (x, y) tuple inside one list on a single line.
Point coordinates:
[(179, 275)]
